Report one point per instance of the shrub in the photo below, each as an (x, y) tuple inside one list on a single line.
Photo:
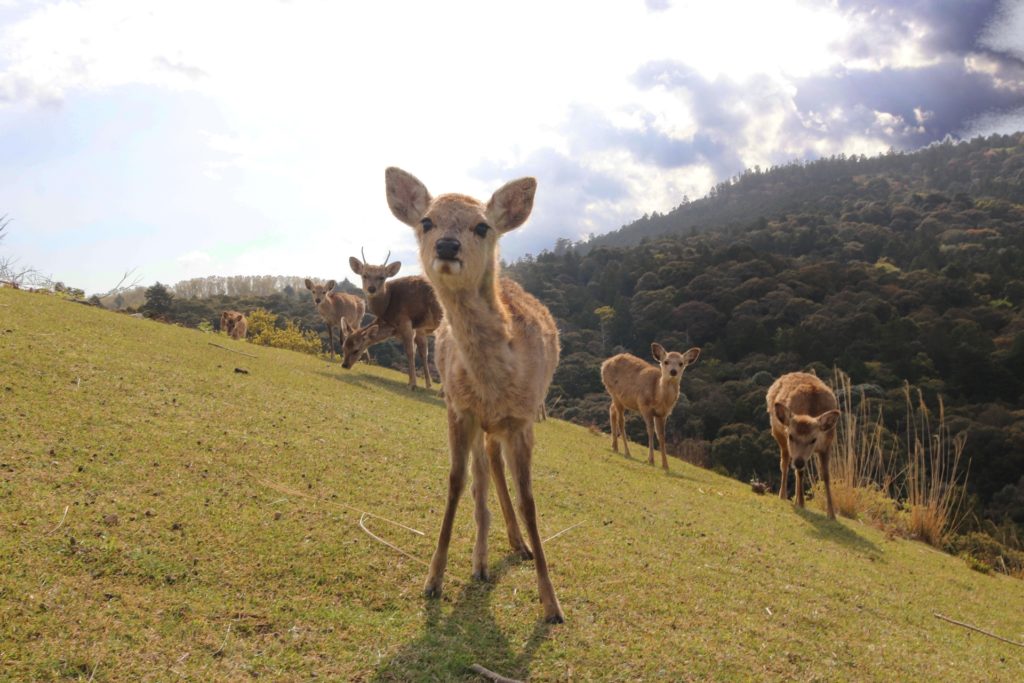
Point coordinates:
[(263, 330)]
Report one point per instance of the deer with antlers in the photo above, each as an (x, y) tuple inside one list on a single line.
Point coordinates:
[(336, 307), (406, 308), (497, 349)]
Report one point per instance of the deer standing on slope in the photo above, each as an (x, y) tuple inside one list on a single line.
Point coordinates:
[(497, 349), (803, 413), (335, 307), (407, 307), (234, 324), (635, 384)]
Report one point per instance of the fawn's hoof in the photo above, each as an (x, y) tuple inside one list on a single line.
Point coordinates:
[(523, 552), (481, 576), (432, 591), (557, 618)]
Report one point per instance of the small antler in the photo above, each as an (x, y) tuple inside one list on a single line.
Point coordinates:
[(389, 256), (364, 255)]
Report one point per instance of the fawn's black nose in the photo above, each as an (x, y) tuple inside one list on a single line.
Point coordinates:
[(371, 290), (799, 463), (447, 247), (673, 372)]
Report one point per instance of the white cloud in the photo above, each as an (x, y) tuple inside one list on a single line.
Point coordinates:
[(292, 111)]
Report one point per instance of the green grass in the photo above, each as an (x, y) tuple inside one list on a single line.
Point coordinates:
[(207, 538)]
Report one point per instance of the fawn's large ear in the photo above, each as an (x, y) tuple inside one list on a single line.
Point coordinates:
[(781, 412), (331, 284), (392, 269), (408, 198), (658, 351), (692, 355), (511, 205), (309, 284), (827, 421), (356, 265)]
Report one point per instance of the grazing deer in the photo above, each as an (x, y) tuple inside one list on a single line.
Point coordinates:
[(358, 341), (497, 349), (635, 384), (407, 306), (335, 307), (234, 323), (803, 413)]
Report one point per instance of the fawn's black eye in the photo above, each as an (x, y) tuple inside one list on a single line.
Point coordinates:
[(481, 229), (427, 224)]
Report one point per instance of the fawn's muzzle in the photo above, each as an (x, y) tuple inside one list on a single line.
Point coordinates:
[(799, 463), (371, 290), (447, 248), (673, 372)]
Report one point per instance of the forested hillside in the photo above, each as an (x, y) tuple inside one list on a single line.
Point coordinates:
[(899, 268)]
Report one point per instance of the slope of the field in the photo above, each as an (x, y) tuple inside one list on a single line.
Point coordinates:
[(211, 533)]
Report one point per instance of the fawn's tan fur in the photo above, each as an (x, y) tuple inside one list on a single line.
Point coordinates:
[(408, 306), (803, 413), (497, 349), (335, 307), (635, 384), (234, 323)]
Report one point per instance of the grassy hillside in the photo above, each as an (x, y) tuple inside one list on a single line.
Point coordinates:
[(211, 534)]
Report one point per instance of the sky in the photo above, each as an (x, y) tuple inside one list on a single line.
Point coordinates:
[(184, 139)]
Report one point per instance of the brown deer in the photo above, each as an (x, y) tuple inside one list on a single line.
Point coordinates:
[(803, 413), (635, 384), (234, 323), (335, 307), (407, 307), (497, 349)]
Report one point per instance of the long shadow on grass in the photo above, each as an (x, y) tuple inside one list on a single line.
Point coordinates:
[(468, 635), (627, 460), (356, 378), (825, 529)]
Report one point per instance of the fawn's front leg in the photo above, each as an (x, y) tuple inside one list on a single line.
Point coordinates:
[(462, 430)]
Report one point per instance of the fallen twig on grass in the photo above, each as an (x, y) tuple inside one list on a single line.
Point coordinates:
[(299, 494), (375, 537), (61, 522), (232, 350), (979, 630), (551, 538), (490, 675)]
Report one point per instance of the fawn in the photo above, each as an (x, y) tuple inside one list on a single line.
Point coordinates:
[(335, 307), (803, 413), (497, 349), (635, 384), (406, 306), (234, 323)]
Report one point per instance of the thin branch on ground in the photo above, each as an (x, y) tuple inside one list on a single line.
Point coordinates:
[(299, 494), (232, 350), (979, 630), (61, 522), (551, 538), (491, 676), (362, 525)]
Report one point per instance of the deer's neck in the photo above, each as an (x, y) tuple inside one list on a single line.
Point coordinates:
[(481, 328), (668, 392), (380, 301)]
